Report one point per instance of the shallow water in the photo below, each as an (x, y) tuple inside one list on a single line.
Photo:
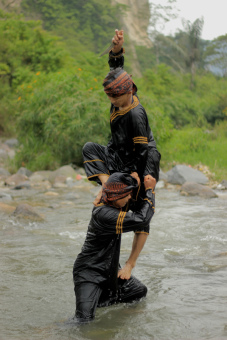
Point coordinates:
[(183, 264)]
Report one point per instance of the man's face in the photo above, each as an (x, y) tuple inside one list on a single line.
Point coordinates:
[(121, 101), (122, 201)]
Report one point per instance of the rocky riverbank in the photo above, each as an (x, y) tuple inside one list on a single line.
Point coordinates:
[(72, 180)]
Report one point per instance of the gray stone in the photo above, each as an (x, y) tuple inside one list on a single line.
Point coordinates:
[(183, 173), (42, 174), (224, 183), (24, 185), (160, 185), (162, 176), (5, 197), (15, 179), (71, 196), (26, 211), (12, 143), (66, 171), (24, 171), (195, 189)]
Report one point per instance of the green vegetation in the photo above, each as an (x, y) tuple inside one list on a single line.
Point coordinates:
[(53, 101), (198, 146)]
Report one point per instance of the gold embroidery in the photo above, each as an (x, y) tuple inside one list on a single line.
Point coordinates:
[(97, 175), (123, 112), (119, 225), (94, 160), (140, 140)]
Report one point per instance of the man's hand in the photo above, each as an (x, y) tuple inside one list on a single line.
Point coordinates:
[(125, 272), (149, 182), (136, 176), (118, 41)]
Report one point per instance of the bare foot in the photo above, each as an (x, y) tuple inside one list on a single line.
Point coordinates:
[(98, 198), (125, 272)]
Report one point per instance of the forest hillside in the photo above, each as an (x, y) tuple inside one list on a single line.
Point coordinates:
[(51, 76)]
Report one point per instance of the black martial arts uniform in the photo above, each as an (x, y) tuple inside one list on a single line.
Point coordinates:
[(96, 267), (132, 146)]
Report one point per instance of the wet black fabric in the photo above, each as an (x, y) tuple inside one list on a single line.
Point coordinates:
[(97, 265), (132, 146), (89, 296)]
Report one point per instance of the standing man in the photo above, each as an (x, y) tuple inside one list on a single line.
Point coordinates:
[(95, 271)]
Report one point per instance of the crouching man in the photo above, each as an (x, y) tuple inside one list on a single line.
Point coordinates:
[(95, 271)]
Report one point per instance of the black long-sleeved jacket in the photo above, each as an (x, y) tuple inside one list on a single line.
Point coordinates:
[(132, 139), (98, 261)]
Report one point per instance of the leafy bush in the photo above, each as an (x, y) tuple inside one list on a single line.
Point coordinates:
[(57, 115), (26, 48)]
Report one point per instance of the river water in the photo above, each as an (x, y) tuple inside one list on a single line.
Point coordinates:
[(183, 264)]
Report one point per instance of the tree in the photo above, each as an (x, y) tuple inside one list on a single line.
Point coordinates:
[(193, 31), (159, 16), (216, 56)]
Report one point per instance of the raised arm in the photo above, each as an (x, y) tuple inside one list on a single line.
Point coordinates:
[(116, 55)]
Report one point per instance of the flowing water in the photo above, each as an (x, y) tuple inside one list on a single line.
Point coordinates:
[(183, 264)]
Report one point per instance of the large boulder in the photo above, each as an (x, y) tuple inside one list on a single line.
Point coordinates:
[(27, 212), (15, 179), (63, 172), (183, 173), (195, 189), (162, 176), (24, 171)]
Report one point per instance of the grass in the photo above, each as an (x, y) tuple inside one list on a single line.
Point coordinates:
[(193, 146)]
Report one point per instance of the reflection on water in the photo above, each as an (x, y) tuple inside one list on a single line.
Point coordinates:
[(183, 264)]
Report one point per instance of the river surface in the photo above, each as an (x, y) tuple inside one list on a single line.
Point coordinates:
[(183, 264)]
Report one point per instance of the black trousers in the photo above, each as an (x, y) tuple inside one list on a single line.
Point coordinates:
[(89, 296), (98, 160)]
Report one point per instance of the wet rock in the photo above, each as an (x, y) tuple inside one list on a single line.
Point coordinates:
[(26, 211), (59, 185), (6, 208), (71, 196), (12, 143), (160, 185), (224, 183), (38, 180), (66, 171), (24, 171), (24, 185), (51, 193), (15, 179), (43, 175), (195, 189), (182, 173), (162, 176), (5, 197), (60, 179), (69, 182)]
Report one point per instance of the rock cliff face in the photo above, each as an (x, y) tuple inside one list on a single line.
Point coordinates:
[(136, 20)]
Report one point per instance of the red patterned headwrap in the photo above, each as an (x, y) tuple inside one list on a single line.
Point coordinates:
[(118, 82), (118, 185)]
